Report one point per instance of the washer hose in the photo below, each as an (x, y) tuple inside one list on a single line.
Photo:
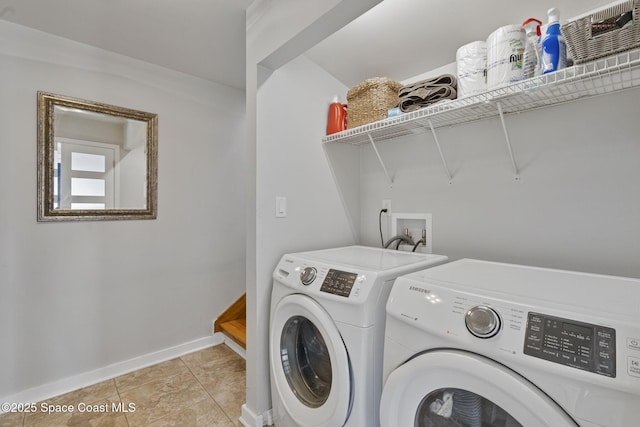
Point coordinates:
[(400, 238)]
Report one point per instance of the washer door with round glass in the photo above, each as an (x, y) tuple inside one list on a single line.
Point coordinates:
[(446, 388), (309, 363)]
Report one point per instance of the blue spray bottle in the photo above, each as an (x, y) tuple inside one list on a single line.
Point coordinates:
[(554, 48)]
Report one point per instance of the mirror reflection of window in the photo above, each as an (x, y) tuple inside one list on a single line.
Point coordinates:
[(86, 174), (99, 174)]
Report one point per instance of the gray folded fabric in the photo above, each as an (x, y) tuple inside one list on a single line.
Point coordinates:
[(426, 92)]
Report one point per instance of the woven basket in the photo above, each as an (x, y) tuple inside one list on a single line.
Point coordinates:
[(596, 35), (370, 100)]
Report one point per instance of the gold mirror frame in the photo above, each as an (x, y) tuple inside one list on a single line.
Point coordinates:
[(46, 137)]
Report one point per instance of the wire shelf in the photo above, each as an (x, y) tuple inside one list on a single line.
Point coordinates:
[(599, 77)]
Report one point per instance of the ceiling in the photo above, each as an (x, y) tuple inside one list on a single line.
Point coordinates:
[(400, 39), (206, 38)]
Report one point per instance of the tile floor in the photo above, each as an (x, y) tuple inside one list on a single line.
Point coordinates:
[(205, 388)]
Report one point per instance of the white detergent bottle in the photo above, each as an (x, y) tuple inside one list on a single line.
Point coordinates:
[(554, 48)]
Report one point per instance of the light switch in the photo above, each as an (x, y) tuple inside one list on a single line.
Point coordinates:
[(281, 207)]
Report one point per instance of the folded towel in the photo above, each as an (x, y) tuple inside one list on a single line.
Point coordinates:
[(426, 92), (443, 80)]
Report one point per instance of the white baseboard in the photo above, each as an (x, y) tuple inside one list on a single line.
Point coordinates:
[(268, 417), (66, 385), (251, 419)]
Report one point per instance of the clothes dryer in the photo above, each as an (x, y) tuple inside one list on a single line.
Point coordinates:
[(475, 343), (327, 333)]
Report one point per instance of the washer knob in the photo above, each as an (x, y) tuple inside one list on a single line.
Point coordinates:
[(482, 321), (307, 275)]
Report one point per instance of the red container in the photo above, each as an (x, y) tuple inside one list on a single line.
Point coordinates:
[(337, 119)]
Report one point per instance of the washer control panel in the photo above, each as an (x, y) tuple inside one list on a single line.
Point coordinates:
[(577, 344), (338, 282)]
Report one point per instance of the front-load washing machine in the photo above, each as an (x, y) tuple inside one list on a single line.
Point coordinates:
[(327, 333), (475, 343)]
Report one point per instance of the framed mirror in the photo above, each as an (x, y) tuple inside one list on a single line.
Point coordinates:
[(95, 161)]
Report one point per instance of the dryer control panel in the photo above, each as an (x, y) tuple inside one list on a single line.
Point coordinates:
[(577, 344), (338, 282)]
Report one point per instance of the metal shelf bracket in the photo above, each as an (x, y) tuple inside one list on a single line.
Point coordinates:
[(514, 165), (444, 162), (373, 144)]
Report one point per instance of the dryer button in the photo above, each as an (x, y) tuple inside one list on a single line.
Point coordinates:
[(633, 343), (482, 321)]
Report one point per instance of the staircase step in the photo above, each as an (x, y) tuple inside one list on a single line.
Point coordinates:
[(236, 330)]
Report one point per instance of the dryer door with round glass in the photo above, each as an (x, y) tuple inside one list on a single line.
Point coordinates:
[(454, 388), (309, 363)]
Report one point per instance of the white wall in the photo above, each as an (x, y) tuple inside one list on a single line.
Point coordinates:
[(75, 297), (576, 205)]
